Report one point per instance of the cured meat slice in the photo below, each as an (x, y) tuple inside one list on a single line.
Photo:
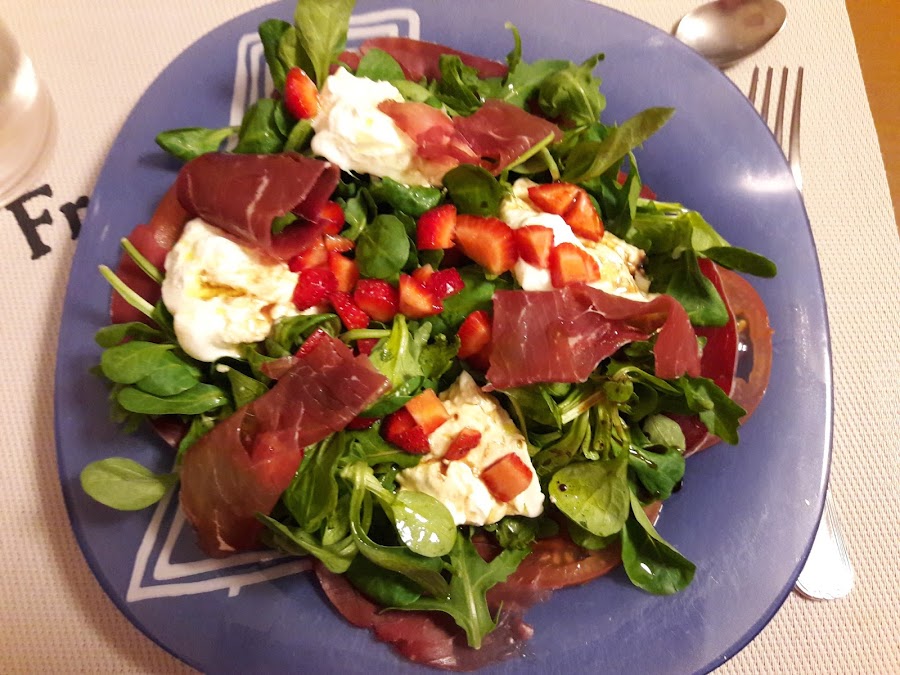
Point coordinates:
[(154, 240), (420, 59), (241, 467), (561, 335), (500, 132), (430, 638), (242, 194)]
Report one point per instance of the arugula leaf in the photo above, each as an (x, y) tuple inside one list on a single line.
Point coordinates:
[(593, 495), (198, 399), (459, 85), (387, 588), (259, 132), (270, 33), (716, 410), (322, 32), (741, 260), (476, 294), (696, 293), (124, 484), (413, 200), (378, 65), (190, 142), (369, 446), (313, 494), (474, 190), (383, 248), (294, 540), (591, 159), (572, 93), (649, 560), (472, 578)]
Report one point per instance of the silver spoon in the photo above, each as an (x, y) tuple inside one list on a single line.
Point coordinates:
[(726, 31)]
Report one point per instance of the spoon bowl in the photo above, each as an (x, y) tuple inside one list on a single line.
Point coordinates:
[(726, 31)]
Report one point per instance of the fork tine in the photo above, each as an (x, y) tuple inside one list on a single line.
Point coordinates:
[(779, 109), (794, 138), (767, 92), (754, 81)]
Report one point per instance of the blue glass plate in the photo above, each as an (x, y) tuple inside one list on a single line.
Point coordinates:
[(746, 516)]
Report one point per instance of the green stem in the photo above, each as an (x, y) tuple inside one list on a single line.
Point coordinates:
[(531, 152), (148, 267), (127, 294), (365, 334)]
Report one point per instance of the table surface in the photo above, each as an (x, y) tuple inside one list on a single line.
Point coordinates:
[(56, 617), (876, 28)]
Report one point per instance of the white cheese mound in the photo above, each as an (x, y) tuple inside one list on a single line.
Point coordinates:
[(618, 260), (457, 484), (222, 294), (354, 134)]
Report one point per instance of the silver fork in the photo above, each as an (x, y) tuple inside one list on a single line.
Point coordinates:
[(827, 574)]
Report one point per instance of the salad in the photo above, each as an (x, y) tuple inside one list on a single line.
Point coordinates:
[(424, 326)]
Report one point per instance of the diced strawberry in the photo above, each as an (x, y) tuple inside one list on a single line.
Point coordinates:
[(377, 298), (365, 346), (310, 343), (423, 274), (315, 256), (345, 271), (331, 218), (335, 243), (427, 410), (401, 429), (507, 478), (445, 283), (583, 218), (301, 98), (435, 228), (416, 301), (474, 333), (313, 287), (359, 423), (488, 241), (465, 440), (570, 264), (533, 243), (348, 311), (554, 197)]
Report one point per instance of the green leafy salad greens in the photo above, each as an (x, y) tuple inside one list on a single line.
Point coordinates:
[(603, 449)]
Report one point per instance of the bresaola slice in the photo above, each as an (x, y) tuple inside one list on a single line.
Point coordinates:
[(243, 194), (420, 59), (561, 335), (241, 467)]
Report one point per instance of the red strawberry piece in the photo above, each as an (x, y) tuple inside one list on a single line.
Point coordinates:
[(423, 274), (465, 440), (583, 218), (435, 228), (366, 345), (331, 218), (646, 192), (445, 283), (474, 334), (315, 256), (427, 410), (533, 243), (313, 287), (488, 241), (310, 343), (570, 264), (554, 197), (301, 98), (345, 271), (335, 243), (401, 429), (377, 298), (416, 301), (349, 312), (507, 478)]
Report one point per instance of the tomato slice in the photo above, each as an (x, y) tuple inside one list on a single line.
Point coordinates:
[(558, 562), (755, 342)]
